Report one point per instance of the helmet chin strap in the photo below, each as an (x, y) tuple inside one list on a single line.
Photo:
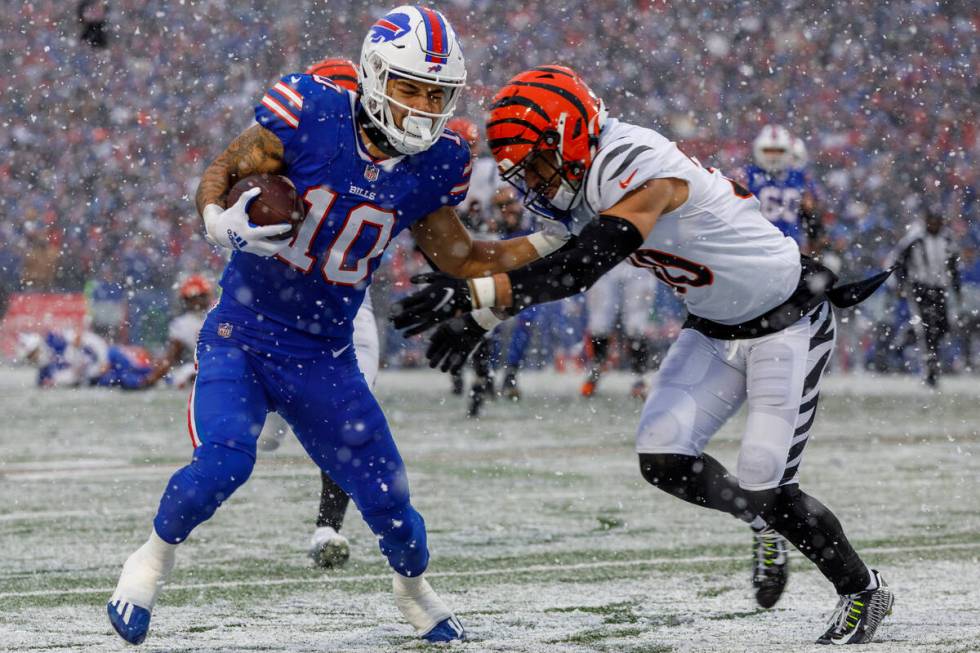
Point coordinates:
[(374, 134)]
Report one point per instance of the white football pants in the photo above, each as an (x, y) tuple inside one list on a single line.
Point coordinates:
[(626, 290), (703, 382)]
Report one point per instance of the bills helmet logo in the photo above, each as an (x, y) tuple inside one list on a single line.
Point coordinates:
[(390, 28)]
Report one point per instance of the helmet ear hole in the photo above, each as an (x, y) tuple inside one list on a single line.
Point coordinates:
[(550, 138)]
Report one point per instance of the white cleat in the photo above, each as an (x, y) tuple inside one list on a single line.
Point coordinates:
[(328, 548), (422, 608), (143, 576)]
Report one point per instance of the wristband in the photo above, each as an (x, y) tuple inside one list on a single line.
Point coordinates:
[(484, 292), (486, 318), (545, 243)]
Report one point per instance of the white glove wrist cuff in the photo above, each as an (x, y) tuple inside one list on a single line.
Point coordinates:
[(545, 243), (484, 292), (486, 318)]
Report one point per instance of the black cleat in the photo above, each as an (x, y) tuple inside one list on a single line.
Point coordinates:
[(857, 616), (481, 391), (509, 388), (770, 569)]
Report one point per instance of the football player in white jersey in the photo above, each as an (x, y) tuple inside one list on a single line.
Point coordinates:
[(760, 328), (196, 297), (626, 293)]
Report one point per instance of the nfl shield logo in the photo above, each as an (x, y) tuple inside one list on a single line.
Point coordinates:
[(224, 330), (371, 172)]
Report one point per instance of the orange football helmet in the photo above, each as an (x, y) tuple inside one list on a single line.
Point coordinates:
[(195, 286), (465, 128), (340, 71), (546, 109)]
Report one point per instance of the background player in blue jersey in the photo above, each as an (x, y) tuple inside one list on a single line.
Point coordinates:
[(281, 337), (786, 193)]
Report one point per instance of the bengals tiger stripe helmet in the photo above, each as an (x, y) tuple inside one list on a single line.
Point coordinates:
[(340, 71), (546, 109), (465, 128)]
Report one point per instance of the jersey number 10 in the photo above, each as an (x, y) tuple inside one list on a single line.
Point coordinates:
[(339, 267)]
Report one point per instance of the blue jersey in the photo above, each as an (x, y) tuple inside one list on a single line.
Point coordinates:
[(355, 206), (780, 196)]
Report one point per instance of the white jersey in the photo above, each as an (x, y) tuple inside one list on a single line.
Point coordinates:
[(727, 261), (185, 329)]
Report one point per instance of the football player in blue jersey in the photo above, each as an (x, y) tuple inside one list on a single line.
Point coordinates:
[(786, 193), (280, 339)]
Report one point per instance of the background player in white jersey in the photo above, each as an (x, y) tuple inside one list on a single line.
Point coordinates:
[(196, 296), (626, 294), (760, 327)]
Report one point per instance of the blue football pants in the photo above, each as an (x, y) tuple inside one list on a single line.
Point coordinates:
[(324, 398)]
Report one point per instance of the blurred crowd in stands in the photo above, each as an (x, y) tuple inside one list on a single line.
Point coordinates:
[(112, 109)]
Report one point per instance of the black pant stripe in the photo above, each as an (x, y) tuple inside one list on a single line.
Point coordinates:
[(808, 405), (813, 378), (820, 335), (789, 473), (803, 428)]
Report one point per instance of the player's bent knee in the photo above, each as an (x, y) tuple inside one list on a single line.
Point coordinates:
[(669, 471), (657, 468), (760, 467), (667, 423), (195, 491)]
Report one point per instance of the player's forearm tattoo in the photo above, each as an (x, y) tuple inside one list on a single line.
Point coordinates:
[(256, 150)]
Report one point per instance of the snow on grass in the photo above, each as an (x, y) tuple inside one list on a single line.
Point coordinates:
[(543, 535)]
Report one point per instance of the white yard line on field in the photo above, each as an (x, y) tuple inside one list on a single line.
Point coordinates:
[(612, 564)]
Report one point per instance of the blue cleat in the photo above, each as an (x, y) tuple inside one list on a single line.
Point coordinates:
[(447, 630), (130, 621), (143, 575)]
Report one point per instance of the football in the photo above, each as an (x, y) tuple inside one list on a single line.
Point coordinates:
[(278, 203)]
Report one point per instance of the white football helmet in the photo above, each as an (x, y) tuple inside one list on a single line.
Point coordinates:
[(800, 156), (414, 43), (772, 148)]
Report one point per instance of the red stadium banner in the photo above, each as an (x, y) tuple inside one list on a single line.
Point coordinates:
[(38, 313)]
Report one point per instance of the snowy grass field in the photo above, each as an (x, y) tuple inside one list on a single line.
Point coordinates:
[(544, 537)]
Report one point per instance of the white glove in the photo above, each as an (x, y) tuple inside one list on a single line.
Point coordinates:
[(231, 228)]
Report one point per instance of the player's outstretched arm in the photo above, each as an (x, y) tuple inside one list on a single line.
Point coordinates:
[(255, 151), (448, 244), (602, 244)]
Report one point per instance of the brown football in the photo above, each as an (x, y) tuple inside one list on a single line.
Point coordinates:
[(278, 203)]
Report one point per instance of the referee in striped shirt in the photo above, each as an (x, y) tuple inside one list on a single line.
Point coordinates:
[(927, 266)]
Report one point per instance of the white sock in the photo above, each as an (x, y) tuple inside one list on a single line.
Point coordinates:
[(145, 572), (418, 603), (873, 583)]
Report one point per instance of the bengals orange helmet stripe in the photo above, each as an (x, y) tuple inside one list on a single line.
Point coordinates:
[(341, 71), (546, 108)]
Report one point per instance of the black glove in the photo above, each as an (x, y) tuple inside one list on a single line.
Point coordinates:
[(443, 299), (452, 343)]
